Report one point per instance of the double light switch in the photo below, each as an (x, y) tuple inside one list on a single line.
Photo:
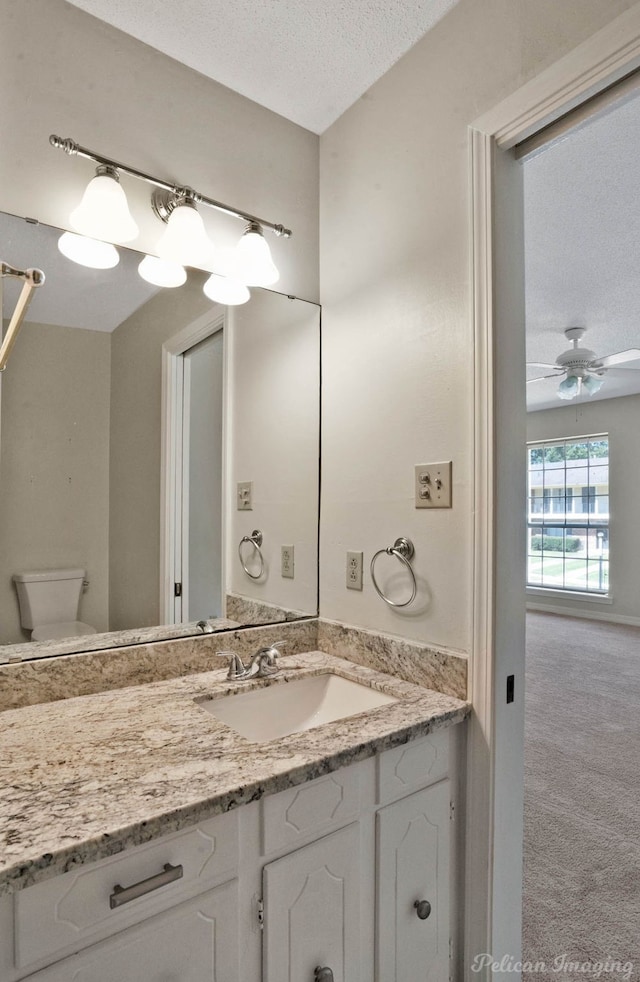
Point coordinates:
[(433, 485)]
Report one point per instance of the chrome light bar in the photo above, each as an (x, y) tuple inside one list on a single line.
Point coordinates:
[(73, 149), (33, 278)]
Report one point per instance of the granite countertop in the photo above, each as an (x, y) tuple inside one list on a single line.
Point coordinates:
[(87, 777)]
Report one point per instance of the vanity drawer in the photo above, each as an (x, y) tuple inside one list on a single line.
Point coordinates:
[(414, 765), (295, 815), (74, 910)]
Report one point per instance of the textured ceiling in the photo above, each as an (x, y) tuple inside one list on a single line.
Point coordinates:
[(307, 60), (582, 246)]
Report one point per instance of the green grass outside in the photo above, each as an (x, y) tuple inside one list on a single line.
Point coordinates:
[(579, 574)]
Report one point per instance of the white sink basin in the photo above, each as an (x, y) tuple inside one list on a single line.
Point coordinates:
[(291, 707)]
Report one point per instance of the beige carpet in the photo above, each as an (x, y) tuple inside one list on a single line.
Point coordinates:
[(582, 797)]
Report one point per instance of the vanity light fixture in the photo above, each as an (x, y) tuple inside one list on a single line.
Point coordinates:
[(226, 290), (253, 263), (88, 252), (32, 279), (185, 241), (161, 272), (104, 212)]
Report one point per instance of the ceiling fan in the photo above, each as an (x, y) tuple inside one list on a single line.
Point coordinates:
[(581, 369)]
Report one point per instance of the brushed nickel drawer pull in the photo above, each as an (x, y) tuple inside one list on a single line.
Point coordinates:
[(122, 895)]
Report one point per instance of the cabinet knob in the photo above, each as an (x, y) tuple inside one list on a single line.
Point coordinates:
[(323, 975), (423, 909)]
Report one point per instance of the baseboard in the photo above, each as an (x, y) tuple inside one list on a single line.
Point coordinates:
[(592, 615)]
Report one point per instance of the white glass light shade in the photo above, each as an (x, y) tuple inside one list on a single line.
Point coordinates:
[(103, 212), (184, 241), (569, 387), (160, 272), (592, 383), (224, 289), (88, 252), (253, 263)]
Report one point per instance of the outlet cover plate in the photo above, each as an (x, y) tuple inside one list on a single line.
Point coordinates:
[(354, 570), (287, 563), (244, 496), (433, 485)]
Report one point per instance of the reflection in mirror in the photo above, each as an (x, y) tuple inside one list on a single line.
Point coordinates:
[(145, 433)]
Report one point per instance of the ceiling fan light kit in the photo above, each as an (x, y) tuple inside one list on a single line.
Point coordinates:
[(582, 369)]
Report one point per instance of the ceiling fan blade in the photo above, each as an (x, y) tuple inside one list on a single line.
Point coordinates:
[(614, 368), (542, 364), (539, 378), (618, 358)]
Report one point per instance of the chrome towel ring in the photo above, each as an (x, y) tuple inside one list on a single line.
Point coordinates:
[(403, 550), (256, 541)]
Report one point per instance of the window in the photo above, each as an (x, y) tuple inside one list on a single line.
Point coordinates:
[(568, 515)]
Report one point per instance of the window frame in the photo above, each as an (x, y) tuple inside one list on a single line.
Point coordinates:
[(544, 518)]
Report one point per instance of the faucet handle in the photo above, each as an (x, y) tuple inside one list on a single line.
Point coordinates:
[(277, 645), (236, 666)]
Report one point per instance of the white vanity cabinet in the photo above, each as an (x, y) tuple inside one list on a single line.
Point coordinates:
[(312, 910), (325, 875), (412, 889), (194, 942)]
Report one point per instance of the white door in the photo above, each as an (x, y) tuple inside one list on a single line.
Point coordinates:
[(413, 867), (312, 911), (202, 479)]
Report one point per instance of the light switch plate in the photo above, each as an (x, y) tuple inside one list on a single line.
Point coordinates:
[(244, 496), (433, 485), (354, 571), (287, 562)]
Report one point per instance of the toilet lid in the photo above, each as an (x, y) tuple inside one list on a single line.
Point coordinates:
[(62, 629)]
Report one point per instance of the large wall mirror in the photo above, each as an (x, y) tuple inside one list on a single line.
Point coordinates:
[(146, 435)]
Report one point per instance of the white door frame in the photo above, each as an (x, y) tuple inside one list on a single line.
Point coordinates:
[(172, 459), (493, 860)]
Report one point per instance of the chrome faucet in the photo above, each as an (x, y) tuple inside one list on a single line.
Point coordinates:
[(262, 664)]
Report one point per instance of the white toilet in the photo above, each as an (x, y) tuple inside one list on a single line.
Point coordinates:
[(49, 601)]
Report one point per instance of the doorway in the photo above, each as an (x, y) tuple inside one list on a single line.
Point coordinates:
[(193, 472), (495, 761), (201, 527), (582, 293)]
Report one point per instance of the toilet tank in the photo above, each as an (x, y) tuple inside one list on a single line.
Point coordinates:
[(48, 596)]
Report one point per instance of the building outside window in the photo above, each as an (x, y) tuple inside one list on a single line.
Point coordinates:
[(568, 515)]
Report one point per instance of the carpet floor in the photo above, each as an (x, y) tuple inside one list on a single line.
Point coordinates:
[(582, 799)]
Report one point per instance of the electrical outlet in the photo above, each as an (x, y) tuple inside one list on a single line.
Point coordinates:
[(433, 485), (286, 561), (245, 496), (354, 571)]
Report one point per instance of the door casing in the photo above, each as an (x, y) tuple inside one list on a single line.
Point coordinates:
[(172, 462), (493, 881)]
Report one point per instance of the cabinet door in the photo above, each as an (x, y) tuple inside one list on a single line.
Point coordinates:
[(413, 866), (194, 942), (312, 910)]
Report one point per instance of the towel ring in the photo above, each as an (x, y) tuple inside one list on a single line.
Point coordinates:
[(403, 550), (256, 541)]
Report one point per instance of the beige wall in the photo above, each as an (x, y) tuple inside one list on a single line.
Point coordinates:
[(54, 469), (274, 418), (619, 418), (62, 71), (395, 289), (136, 403)]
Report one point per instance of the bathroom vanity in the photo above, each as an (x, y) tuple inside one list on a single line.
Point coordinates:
[(149, 842)]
